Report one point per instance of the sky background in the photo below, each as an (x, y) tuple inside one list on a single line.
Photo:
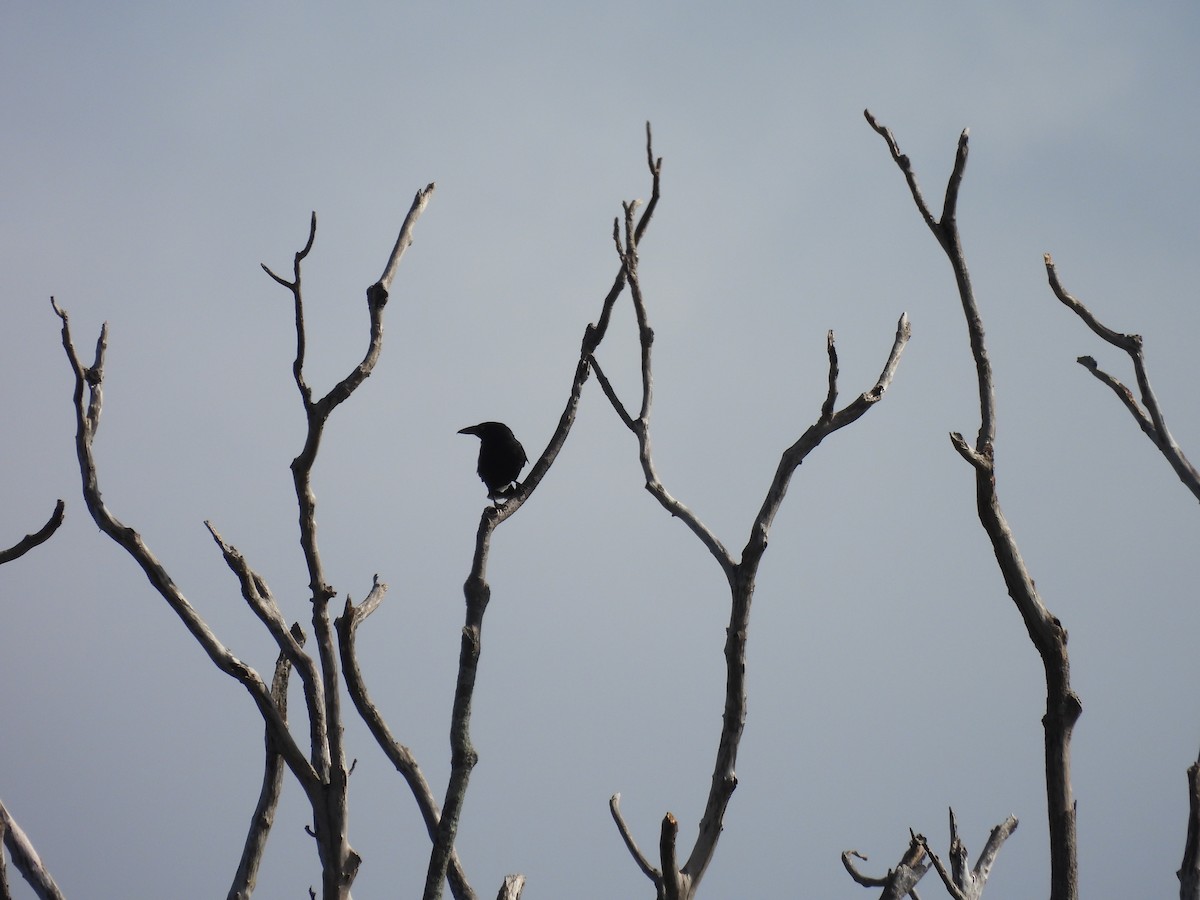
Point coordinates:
[(155, 154)]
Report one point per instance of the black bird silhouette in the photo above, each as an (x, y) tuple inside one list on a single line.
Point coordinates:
[(501, 456)]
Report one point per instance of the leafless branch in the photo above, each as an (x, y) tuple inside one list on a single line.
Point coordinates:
[(400, 756), (859, 877), (87, 418), (405, 238), (1148, 415), (5, 891), (512, 887), (26, 858), (595, 333), (263, 818), (1189, 871), (1063, 706), (476, 589), (614, 806), (674, 884), (324, 775), (740, 574), (262, 602), (898, 882), (339, 860), (27, 543), (963, 883)]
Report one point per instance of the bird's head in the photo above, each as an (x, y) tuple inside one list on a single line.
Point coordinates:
[(485, 430)]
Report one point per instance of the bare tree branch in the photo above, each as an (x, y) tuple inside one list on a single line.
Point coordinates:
[(1047, 633), (512, 887), (477, 591), (1148, 415), (5, 892), (323, 775), (399, 755), (26, 858), (614, 806), (741, 575), (260, 599), (405, 238), (87, 420), (674, 885), (27, 543), (859, 877), (339, 862), (963, 883), (263, 818), (900, 881), (1189, 871)]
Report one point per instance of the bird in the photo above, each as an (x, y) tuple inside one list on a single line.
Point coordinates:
[(501, 456)]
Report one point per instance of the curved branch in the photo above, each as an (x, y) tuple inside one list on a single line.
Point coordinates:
[(614, 807), (87, 419), (27, 543), (1149, 415)]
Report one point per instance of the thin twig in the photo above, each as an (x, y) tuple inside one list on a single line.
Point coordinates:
[(27, 543), (614, 807)]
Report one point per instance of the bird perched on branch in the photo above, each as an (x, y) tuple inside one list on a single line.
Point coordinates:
[(501, 456)]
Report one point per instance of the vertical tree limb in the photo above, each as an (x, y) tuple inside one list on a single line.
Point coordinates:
[(477, 591), (339, 862), (1189, 871), (672, 881), (1047, 633), (399, 755), (323, 774), (263, 817)]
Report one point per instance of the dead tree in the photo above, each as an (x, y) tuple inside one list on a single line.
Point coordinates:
[(1149, 417), (673, 879), (321, 769), (1047, 633)]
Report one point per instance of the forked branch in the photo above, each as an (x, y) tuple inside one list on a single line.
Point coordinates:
[(476, 589), (672, 881), (397, 753), (1045, 630), (1148, 414), (89, 382)]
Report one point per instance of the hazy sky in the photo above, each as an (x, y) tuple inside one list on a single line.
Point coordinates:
[(155, 154)]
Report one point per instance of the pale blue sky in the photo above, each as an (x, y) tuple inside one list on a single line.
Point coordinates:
[(155, 155)]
